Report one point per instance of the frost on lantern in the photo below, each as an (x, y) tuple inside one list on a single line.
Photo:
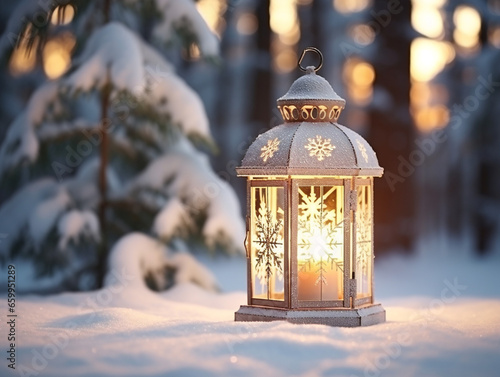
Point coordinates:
[(319, 147), (269, 149)]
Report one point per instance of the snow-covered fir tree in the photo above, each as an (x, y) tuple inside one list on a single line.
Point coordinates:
[(115, 145)]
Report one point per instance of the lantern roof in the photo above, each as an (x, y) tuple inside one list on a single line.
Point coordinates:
[(310, 148), (310, 142), (311, 87)]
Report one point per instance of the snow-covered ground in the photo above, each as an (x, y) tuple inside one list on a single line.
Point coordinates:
[(443, 319)]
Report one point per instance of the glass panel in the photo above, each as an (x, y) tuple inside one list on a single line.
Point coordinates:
[(320, 243), (364, 254), (267, 247)]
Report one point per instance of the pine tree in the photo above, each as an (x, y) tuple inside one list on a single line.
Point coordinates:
[(113, 146)]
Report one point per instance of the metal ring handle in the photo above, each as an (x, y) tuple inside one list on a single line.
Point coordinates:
[(311, 49)]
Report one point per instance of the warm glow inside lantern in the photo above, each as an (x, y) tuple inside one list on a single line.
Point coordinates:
[(310, 214)]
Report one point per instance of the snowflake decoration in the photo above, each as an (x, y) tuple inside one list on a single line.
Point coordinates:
[(320, 236), (319, 147), (363, 150), (269, 149), (269, 243)]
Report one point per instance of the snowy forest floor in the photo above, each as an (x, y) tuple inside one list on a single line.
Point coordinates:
[(443, 319)]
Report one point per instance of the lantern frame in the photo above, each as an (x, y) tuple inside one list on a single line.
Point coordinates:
[(348, 165)]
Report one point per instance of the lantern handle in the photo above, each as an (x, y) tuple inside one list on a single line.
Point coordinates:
[(311, 49)]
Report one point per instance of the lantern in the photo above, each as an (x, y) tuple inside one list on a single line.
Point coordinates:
[(309, 218)]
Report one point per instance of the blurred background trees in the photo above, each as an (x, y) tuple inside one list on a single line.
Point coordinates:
[(421, 80), (408, 71)]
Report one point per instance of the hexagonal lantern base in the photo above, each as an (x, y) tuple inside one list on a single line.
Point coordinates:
[(363, 316)]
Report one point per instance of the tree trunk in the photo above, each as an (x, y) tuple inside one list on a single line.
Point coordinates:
[(391, 132), (261, 96), (103, 167), (103, 186)]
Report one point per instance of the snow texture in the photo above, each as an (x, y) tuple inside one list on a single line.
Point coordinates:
[(173, 96), (33, 211), (140, 255), (113, 53), (447, 329), (45, 204), (21, 142), (197, 188), (75, 223)]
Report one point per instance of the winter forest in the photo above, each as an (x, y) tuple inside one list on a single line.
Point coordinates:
[(123, 221)]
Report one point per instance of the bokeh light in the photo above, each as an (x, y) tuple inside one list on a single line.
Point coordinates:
[(467, 26), (427, 20), (350, 6), (429, 57), (57, 55), (212, 12), (247, 23), (62, 15)]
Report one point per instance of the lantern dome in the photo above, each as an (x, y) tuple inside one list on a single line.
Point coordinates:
[(310, 142), (311, 87)]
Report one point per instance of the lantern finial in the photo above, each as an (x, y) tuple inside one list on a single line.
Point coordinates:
[(310, 98), (310, 69)]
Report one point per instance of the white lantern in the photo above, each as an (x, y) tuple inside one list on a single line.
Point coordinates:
[(310, 214)]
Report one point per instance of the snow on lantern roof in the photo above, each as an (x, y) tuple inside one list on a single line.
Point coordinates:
[(310, 142), (311, 87)]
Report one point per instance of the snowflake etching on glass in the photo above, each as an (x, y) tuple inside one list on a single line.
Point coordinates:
[(320, 235), (269, 149), (363, 150), (319, 147), (269, 245)]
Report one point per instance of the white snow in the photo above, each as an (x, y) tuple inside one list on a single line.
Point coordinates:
[(138, 255), (128, 330), (199, 189), (170, 94), (74, 224), (134, 66), (113, 53), (21, 142), (32, 211), (44, 215), (173, 219)]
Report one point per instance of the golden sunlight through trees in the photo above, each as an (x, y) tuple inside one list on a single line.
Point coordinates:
[(359, 76), (62, 15), (284, 23), (431, 53), (427, 19), (23, 59), (57, 55), (429, 57), (350, 6), (212, 12), (467, 27)]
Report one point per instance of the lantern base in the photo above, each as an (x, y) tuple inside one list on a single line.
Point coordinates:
[(366, 315)]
